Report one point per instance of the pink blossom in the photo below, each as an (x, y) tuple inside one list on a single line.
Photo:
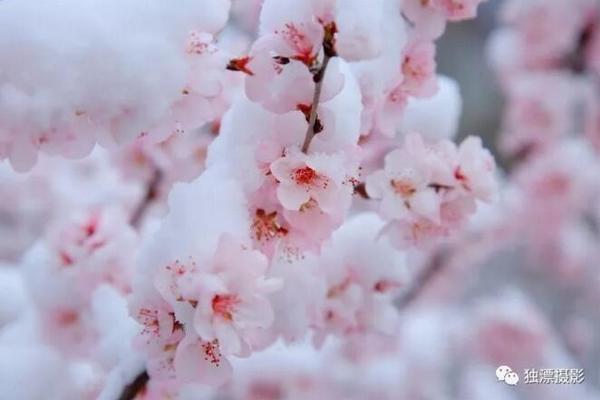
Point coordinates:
[(428, 189), (210, 309), (288, 84), (198, 360), (304, 178), (286, 76), (475, 169), (233, 301), (404, 187), (418, 70)]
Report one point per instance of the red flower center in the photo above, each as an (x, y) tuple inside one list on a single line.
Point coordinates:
[(305, 175), (224, 305)]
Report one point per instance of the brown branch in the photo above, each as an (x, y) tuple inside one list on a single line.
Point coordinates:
[(312, 119), (137, 386), (436, 264), (314, 126), (149, 196)]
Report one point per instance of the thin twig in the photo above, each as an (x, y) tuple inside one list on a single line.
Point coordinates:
[(135, 387), (151, 193), (319, 78)]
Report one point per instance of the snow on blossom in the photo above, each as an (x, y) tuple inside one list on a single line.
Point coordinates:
[(258, 147), (276, 13), (340, 115), (180, 157), (27, 201), (115, 328), (362, 273), (14, 295), (228, 296), (402, 75), (247, 13), (81, 85), (352, 282), (210, 88), (36, 368), (201, 296), (360, 32), (415, 78), (64, 270), (436, 117), (377, 75), (295, 313), (52, 189)]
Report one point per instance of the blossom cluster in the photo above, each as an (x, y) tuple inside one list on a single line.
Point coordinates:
[(303, 156), (274, 206), (428, 190)]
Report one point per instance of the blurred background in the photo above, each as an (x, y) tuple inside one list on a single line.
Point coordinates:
[(461, 54)]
